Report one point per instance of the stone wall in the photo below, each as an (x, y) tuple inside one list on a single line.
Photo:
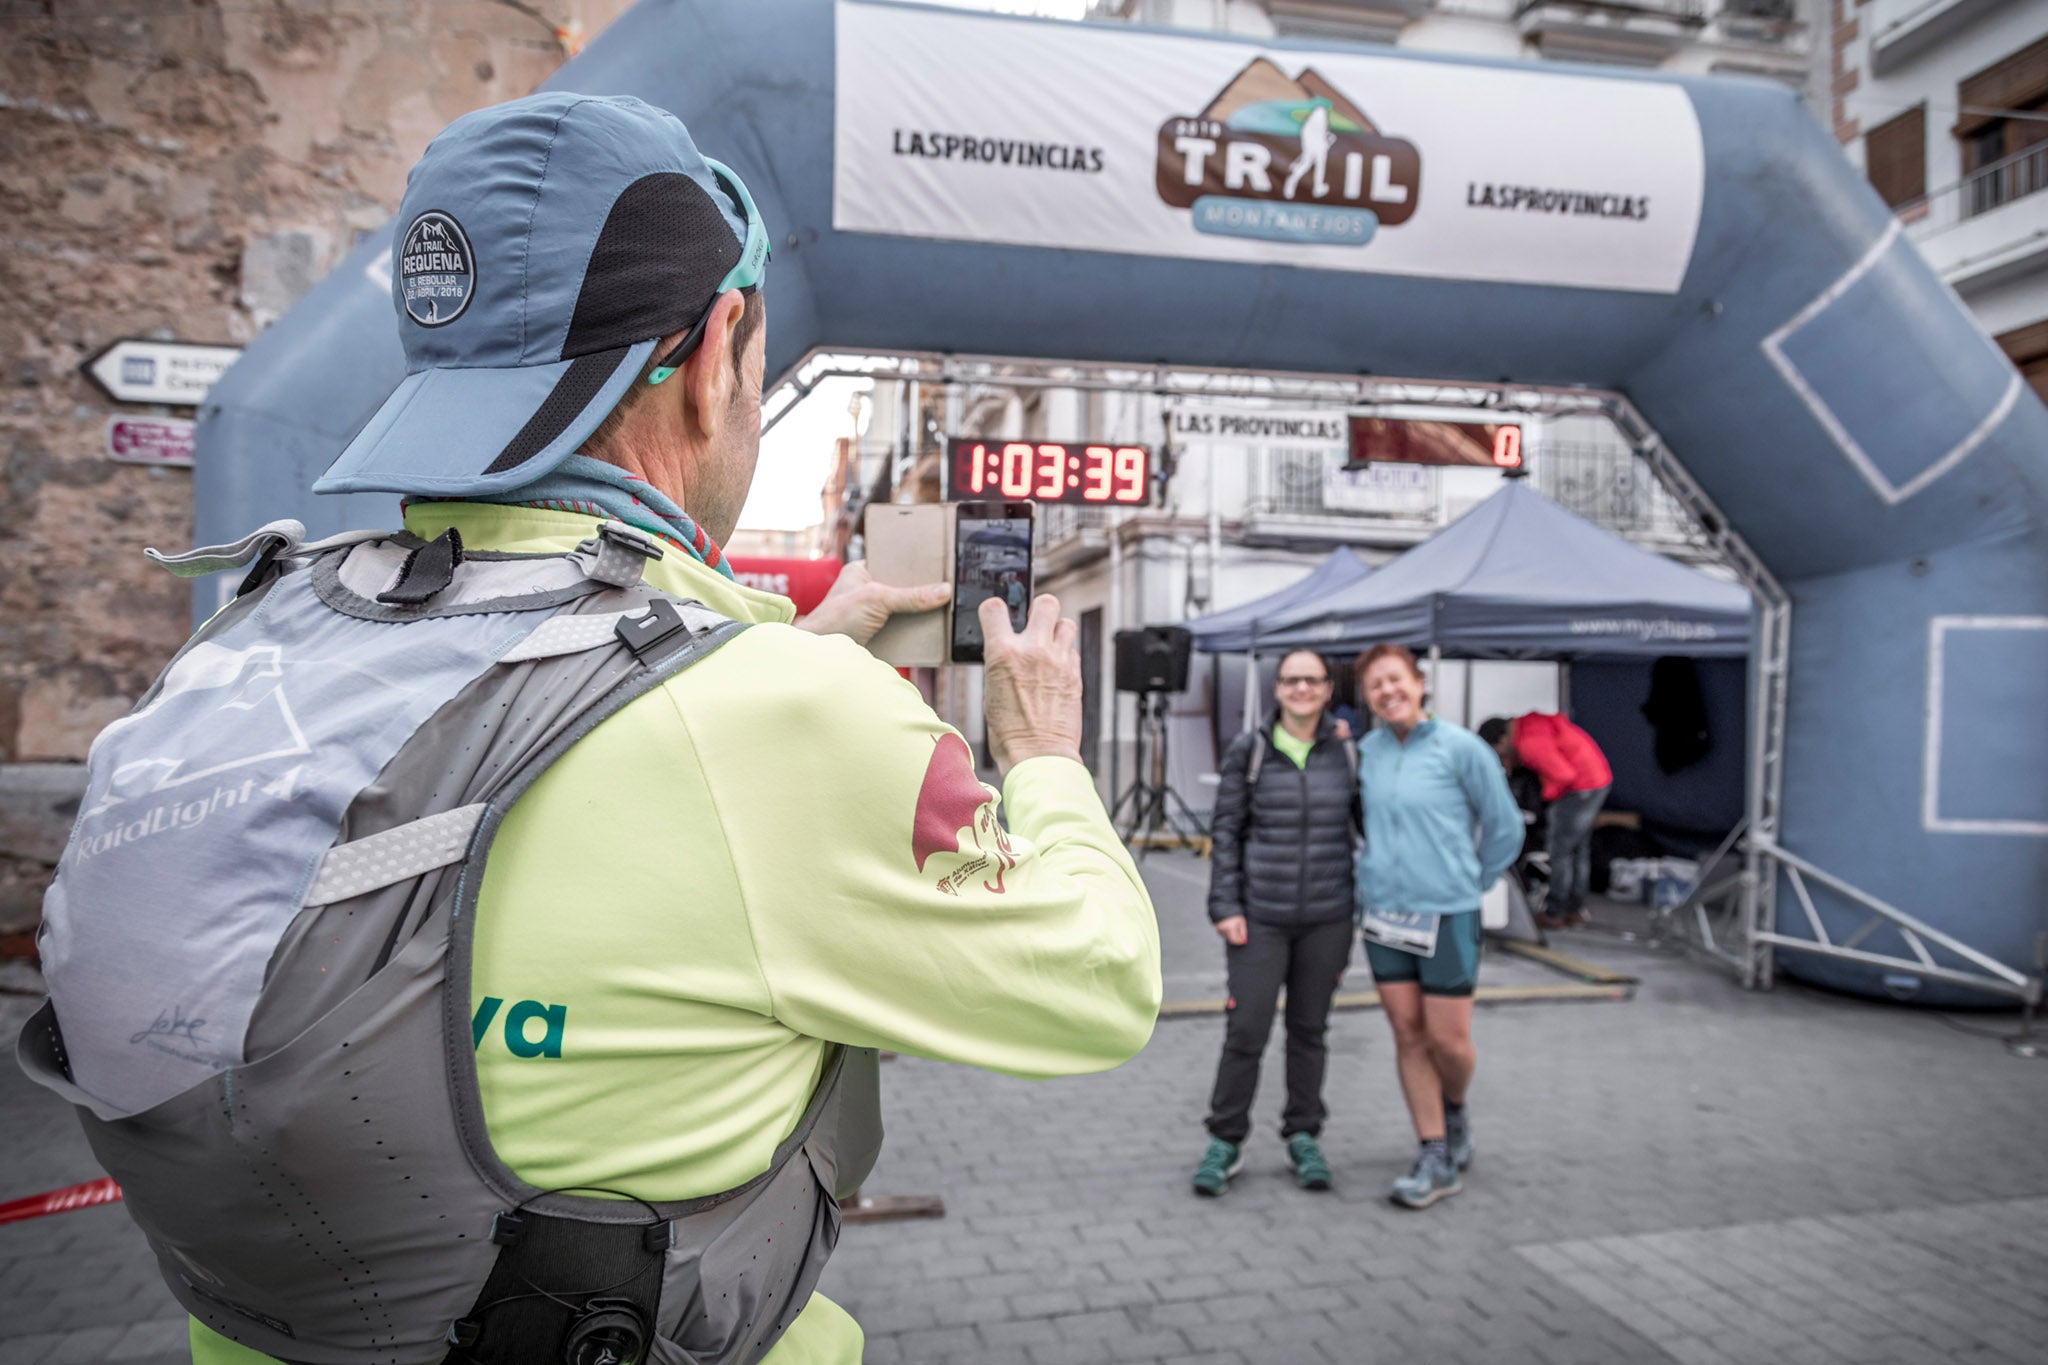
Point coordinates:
[(178, 169)]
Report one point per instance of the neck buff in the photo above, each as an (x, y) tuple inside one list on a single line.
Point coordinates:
[(582, 484)]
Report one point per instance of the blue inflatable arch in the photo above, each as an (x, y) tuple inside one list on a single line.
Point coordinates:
[(1801, 374)]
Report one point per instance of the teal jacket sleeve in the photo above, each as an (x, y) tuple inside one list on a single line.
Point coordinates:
[(1500, 819)]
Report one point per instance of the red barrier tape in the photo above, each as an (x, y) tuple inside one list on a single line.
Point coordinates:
[(60, 1201)]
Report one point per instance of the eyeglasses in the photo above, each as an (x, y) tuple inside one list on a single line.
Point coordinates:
[(745, 277), (1300, 681)]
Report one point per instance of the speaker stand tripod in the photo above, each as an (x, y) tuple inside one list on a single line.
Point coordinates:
[(1151, 798)]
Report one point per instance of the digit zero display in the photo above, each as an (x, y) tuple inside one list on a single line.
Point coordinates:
[(1092, 473), (1393, 440)]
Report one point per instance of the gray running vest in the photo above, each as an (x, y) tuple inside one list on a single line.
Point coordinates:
[(258, 954)]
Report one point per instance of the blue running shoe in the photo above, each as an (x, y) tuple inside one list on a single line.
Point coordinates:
[(1222, 1161), (1458, 1136), (1433, 1177)]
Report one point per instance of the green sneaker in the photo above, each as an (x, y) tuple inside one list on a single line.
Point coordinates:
[(1222, 1161), (1311, 1172)]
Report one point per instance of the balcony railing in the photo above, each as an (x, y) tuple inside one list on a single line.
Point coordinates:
[(1685, 11), (1978, 193), (1303, 483), (1607, 486)]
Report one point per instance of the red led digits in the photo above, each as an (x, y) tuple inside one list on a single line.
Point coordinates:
[(1016, 477), (1096, 488), (1130, 474), (1049, 471), (1051, 467), (1507, 447)]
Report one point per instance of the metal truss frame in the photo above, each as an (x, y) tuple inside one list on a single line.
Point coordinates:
[(1732, 919)]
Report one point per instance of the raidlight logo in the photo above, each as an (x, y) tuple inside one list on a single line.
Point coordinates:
[(1287, 160)]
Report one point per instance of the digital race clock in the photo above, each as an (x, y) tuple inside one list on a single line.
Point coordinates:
[(1091, 473), (1394, 440)]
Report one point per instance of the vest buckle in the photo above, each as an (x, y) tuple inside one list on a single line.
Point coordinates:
[(650, 634), (622, 553)]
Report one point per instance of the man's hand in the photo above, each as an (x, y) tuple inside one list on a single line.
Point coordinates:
[(1032, 691), (1233, 930), (858, 606)]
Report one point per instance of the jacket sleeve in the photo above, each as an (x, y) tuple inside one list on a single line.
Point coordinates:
[(1229, 821), (890, 905), (1537, 747), (1500, 819)]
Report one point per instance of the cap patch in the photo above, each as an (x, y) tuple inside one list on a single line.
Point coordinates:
[(436, 270)]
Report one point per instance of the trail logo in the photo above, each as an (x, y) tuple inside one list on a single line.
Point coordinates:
[(951, 799), (1287, 160), (436, 270)]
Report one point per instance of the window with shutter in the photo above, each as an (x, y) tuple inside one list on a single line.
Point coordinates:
[(2018, 82), (2028, 348), (1895, 157)]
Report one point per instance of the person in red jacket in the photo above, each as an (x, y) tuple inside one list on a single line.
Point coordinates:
[(1576, 779)]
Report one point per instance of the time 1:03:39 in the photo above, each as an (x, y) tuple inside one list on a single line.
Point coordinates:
[(1047, 471)]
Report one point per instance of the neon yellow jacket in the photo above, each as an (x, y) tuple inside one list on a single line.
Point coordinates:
[(777, 850)]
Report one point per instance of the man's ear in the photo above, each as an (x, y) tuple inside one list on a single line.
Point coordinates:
[(709, 375)]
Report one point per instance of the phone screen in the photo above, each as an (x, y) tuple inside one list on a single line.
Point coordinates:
[(991, 558)]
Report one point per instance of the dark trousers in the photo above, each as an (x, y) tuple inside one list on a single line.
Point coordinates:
[(1571, 849), (1309, 961)]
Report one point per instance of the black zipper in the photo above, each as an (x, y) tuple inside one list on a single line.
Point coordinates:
[(1301, 855)]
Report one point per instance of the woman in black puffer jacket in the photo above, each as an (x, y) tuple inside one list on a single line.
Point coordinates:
[(1285, 827)]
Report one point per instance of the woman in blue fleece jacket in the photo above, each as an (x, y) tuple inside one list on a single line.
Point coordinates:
[(1440, 827)]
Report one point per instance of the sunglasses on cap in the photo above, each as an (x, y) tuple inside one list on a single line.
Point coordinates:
[(745, 277)]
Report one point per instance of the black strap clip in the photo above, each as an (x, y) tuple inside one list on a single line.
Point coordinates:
[(426, 571), (651, 634)]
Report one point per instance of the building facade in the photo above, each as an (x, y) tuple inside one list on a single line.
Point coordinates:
[(1944, 103), (176, 173)]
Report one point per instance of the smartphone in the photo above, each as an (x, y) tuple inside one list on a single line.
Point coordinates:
[(991, 558), (909, 544)]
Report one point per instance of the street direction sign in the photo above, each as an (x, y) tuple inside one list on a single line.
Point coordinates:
[(150, 440), (132, 370)]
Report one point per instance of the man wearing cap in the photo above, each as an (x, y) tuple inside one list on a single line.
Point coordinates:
[(780, 848)]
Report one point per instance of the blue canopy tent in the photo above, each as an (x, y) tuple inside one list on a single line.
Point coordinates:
[(1231, 631), (1519, 577)]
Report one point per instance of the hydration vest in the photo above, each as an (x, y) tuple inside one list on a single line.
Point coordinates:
[(258, 954)]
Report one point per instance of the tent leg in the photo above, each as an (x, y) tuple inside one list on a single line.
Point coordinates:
[(1251, 692)]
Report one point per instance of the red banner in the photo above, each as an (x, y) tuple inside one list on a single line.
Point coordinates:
[(803, 581)]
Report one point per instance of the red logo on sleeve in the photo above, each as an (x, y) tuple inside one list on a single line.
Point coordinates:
[(951, 799)]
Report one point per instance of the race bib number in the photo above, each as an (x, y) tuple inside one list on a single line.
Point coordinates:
[(1407, 930)]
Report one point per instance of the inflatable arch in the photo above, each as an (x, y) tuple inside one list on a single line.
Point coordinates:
[(938, 181)]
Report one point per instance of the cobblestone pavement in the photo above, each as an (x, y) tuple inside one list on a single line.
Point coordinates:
[(1696, 1175)]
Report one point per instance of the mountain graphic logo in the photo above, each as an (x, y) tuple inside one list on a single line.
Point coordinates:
[(436, 270), (229, 705), (1289, 159)]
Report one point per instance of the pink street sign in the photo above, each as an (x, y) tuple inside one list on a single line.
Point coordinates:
[(150, 440)]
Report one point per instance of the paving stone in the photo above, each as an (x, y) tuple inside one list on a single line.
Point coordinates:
[(1698, 1175)]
